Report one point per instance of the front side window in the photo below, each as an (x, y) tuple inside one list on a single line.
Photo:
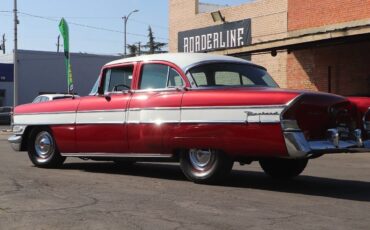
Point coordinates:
[(159, 76), (37, 99), (118, 79), (95, 87), (231, 74), (43, 99)]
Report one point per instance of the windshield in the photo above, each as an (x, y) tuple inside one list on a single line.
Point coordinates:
[(94, 89), (231, 75)]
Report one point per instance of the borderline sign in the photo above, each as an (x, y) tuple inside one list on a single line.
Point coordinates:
[(220, 37)]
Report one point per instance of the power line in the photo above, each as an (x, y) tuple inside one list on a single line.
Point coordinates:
[(110, 18), (87, 26), (149, 24)]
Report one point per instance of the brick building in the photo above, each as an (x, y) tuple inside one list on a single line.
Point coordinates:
[(318, 45)]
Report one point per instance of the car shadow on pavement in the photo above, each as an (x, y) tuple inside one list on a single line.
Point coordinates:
[(306, 185)]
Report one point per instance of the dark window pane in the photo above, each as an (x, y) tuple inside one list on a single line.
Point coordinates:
[(154, 76), (174, 79), (200, 78), (230, 74), (118, 79), (227, 78)]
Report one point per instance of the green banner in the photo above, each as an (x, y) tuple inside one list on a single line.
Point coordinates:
[(63, 27)]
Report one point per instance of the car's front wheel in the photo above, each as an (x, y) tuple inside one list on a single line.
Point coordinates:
[(42, 149), (283, 168), (205, 166)]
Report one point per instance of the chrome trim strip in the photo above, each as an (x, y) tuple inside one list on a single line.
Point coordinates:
[(119, 155), (68, 112), (290, 103), (103, 111), (209, 107), (154, 108), (234, 107), (46, 113), (157, 90), (227, 122), (187, 68)]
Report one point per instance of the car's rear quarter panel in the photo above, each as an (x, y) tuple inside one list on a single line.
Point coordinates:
[(237, 138)]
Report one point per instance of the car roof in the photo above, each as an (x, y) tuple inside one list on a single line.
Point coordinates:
[(182, 60)]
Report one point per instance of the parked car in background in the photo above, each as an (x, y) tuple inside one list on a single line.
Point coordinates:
[(204, 111), (6, 115), (51, 97)]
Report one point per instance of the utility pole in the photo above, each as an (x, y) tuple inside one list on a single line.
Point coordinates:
[(3, 44), (58, 43), (15, 55), (125, 19), (139, 49)]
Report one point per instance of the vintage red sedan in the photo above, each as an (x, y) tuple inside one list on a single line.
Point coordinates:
[(205, 111)]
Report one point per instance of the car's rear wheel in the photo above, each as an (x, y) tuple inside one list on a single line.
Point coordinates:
[(42, 149), (205, 166), (283, 168)]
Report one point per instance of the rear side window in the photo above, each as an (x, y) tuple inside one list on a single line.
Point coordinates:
[(159, 76)]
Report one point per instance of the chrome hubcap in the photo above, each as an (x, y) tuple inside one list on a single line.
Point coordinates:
[(44, 145), (201, 159)]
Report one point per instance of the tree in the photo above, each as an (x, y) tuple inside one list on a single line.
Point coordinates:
[(153, 46), (133, 50)]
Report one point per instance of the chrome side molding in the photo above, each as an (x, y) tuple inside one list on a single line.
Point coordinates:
[(118, 155)]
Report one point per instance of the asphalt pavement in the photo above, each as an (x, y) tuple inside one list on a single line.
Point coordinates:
[(332, 193)]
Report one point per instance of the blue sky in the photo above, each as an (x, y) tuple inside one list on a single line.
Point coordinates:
[(41, 34)]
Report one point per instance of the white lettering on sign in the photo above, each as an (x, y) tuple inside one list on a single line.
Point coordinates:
[(186, 45), (240, 36), (234, 38), (225, 36)]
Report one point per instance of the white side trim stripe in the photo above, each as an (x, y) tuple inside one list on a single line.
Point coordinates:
[(115, 117), (252, 114), (45, 119), (154, 116)]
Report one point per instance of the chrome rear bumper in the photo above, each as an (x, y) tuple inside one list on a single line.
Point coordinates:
[(299, 147), (16, 142)]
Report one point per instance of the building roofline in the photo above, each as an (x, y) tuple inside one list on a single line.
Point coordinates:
[(61, 53)]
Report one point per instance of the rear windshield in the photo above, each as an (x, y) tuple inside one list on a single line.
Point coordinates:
[(231, 75)]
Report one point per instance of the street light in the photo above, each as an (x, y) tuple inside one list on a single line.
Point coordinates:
[(217, 16), (125, 19)]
